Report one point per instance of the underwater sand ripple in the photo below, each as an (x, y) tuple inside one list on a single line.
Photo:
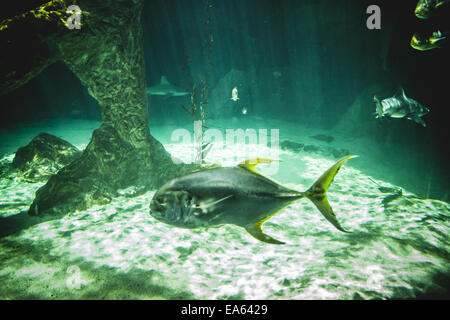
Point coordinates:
[(391, 253)]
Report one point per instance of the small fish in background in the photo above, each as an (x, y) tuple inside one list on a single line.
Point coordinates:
[(400, 106), (424, 42), (234, 94), (164, 88), (75, 113), (277, 74), (397, 191), (236, 195), (427, 8), (244, 110)]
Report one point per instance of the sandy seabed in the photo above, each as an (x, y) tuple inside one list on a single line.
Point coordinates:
[(118, 251)]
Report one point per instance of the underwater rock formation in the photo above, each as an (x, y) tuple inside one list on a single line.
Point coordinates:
[(337, 153), (44, 156), (309, 148), (292, 146), (106, 53), (323, 137)]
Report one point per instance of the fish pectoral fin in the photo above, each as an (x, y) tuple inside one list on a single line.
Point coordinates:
[(205, 206), (250, 164), (256, 232), (420, 121)]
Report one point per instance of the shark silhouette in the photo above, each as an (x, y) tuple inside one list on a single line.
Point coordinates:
[(164, 88), (400, 106)]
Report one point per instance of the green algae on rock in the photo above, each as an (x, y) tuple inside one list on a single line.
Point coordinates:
[(107, 55), (44, 156)]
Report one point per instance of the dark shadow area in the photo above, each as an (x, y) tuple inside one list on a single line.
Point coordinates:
[(18, 222), (105, 282), (55, 93), (436, 292)]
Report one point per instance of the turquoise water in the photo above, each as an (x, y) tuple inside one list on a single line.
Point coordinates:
[(393, 251), (287, 80)]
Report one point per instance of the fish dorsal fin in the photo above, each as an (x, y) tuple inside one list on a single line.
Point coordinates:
[(250, 164), (256, 232), (400, 94), (164, 80), (403, 94)]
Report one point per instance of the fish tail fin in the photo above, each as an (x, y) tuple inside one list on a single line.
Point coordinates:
[(318, 192)]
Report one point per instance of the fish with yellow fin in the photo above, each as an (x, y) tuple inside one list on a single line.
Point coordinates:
[(428, 8), (236, 195), (424, 42)]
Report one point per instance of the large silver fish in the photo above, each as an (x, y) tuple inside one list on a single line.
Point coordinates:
[(400, 106), (236, 195)]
